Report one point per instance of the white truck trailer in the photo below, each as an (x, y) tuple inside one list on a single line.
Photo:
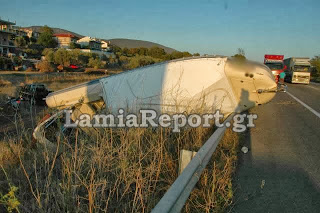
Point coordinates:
[(191, 85)]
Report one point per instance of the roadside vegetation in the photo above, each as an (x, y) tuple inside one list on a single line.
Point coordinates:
[(137, 57), (123, 59), (240, 55), (315, 72), (123, 170)]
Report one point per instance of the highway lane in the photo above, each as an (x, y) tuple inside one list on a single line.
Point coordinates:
[(309, 94), (281, 171)]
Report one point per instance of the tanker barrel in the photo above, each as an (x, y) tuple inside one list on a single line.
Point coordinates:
[(79, 94)]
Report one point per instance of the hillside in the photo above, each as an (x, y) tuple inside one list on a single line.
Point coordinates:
[(131, 43), (55, 30), (120, 42)]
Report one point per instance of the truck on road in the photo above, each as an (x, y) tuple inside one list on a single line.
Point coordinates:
[(298, 70), (275, 63)]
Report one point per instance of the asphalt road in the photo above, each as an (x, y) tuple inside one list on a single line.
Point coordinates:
[(281, 171)]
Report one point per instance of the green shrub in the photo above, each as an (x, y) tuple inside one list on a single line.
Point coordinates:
[(62, 57), (17, 61), (139, 61), (96, 63), (20, 41), (315, 62)]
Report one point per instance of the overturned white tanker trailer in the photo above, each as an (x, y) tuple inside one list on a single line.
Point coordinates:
[(189, 85)]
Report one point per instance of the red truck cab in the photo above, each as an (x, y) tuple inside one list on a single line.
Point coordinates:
[(275, 63)]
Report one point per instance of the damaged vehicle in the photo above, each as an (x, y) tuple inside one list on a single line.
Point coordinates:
[(35, 93)]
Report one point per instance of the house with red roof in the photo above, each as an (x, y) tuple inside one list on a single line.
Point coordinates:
[(64, 39)]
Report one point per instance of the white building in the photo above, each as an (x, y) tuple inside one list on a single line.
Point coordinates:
[(90, 43), (105, 45), (6, 35)]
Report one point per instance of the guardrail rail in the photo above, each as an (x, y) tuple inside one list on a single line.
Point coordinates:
[(177, 195)]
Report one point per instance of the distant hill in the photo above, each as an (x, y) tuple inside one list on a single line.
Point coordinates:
[(120, 42), (55, 30), (131, 43)]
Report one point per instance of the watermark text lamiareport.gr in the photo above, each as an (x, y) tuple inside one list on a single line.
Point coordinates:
[(150, 118)]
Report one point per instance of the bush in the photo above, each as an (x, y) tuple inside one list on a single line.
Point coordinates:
[(139, 61), (96, 63), (156, 52), (74, 45), (31, 51), (239, 57), (29, 69), (62, 57), (315, 62), (45, 66), (17, 61), (4, 82), (5, 62), (93, 71), (48, 54), (20, 41), (1, 62)]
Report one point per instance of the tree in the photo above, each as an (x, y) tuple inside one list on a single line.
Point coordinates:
[(62, 57), (241, 51), (240, 54), (115, 49), (27, 39), (315, 62), (45, 66), (143, 51), (20, 41), (176, 55), (95, 63), (49, 55), (33, 40), (125, 51), (46, 38), (157, 52), (74, 45), (83, 59), (17, 61), (139, 61)]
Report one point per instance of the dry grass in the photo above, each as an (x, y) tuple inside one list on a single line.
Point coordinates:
[(61, 78), (214, 191), (126, 170), (55, 81), (4, 82), (9, 151)]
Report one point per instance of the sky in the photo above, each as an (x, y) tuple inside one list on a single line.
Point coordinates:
[(289, 27)]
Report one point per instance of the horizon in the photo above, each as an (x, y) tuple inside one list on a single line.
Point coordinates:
[(207, 27)]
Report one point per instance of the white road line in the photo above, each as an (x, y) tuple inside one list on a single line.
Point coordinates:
[(313, 87), (305, 105)]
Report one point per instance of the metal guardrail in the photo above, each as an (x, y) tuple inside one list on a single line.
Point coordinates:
[(177, 195)]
